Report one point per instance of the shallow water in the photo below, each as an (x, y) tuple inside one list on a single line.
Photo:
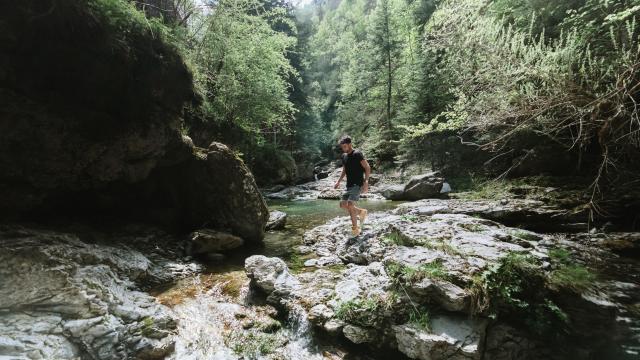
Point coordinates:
[(207, 304)]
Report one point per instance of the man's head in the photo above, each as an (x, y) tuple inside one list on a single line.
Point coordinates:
[(345, 144)]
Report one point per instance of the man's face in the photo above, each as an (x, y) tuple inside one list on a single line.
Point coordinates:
[(345, 147)]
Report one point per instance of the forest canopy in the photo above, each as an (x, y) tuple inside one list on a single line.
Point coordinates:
[(413, 81)]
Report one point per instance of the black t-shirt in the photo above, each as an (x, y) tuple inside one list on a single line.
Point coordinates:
[(353, 168)]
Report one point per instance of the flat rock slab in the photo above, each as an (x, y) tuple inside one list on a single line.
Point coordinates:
[(69, 298), (449, 338)]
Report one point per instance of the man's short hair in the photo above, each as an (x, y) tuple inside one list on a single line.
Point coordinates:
[(345, 140)]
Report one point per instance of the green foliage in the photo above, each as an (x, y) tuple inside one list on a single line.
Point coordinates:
[(366, 312), (507, 284), (490, 72), (241, 66), (252, 344), (515, 289), (568, 274), (407, 274), (575, 277), (126, 22), (420, 318), (398, 238)]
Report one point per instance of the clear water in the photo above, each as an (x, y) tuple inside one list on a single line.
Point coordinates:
[(205, 305)]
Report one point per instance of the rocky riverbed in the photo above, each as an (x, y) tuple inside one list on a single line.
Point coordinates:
[(431, 279), (436, 280)]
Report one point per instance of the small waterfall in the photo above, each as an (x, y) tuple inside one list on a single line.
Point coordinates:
[(200, 325), (301, 345), (209, 328)]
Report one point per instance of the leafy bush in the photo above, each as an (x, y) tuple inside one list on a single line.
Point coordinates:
[(567, 273), (514, 290)]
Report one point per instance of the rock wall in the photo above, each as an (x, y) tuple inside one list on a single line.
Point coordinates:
[(91, 100), (65, 297)]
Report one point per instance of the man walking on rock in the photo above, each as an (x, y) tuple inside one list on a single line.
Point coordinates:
[(357, 170)]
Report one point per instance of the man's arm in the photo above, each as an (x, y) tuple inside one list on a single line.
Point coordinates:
[(367, 172), (341, 177)]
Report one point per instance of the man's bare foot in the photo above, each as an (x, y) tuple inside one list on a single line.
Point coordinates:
[(363, 215), (355, 230)]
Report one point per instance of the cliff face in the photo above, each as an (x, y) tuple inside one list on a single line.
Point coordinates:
[(91, 99)]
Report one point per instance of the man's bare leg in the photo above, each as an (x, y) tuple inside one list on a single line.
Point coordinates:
[(353, 213), (362, 214)]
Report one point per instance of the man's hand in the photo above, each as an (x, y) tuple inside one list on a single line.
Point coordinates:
[(365, 187)]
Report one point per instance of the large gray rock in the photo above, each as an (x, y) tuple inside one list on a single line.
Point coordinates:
[(448, 339), (418, 187), (231, 202), (270, 275), (451, 297), (394, 192), (211, 241), (67, 299), (423, 186), (277, 220), (530, 213)]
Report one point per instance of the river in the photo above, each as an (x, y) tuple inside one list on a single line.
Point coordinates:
[(219, 317), (212, 307)]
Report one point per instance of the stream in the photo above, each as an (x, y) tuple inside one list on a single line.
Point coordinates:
[(219, 317), (213, 306)]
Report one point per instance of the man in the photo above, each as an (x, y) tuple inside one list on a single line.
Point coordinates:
[(357, 170)]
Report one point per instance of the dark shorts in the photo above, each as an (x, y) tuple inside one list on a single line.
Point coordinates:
[(352, 193)]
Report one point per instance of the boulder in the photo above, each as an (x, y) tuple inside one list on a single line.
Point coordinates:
[(102, 150), (418, 187), (270, 275), (199, 195), (448, 339), (206, 241), (277, 220), (330, 194), (423, 186), (394, 192)]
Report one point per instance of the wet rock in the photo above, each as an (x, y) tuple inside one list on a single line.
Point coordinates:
[(359, 335), (334, 326), (437, 255), (270, 275), (205, 241), (394, 192), (320, 313), (418, 187), (275, 188), (287, 193), (504, 342), (70, 298), (449, 338), (531, 214), (277, 220), (330, 194), (444, 293)]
